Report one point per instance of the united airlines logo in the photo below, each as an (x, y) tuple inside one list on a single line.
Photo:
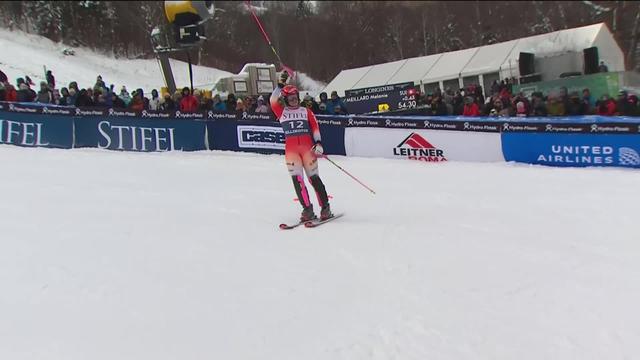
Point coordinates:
[(628, 157)]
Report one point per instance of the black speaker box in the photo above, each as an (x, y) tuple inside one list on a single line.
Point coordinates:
[(525, 64), (591, 60)]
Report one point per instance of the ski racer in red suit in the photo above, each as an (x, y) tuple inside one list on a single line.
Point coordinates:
[(302, 147)]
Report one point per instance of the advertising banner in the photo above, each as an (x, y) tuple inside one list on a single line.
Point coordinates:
[(140, 135), (423, 145), (36, 130), (268, 137), (575, 150)]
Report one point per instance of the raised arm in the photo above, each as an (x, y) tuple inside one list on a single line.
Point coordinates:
[(276, 107)]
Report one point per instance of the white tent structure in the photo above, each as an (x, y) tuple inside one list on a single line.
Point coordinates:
[(555, 53)]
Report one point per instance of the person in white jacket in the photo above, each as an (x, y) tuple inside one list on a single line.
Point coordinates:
[(154, 102)]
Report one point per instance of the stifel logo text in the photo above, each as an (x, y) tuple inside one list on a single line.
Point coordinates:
[(415, 147)]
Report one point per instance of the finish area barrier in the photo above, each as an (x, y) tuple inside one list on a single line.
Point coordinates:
[(567, 141)]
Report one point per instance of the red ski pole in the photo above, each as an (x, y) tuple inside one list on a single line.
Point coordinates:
[(346, 172)]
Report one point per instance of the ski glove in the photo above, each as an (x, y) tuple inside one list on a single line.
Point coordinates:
[(283, 79), (317, 149)]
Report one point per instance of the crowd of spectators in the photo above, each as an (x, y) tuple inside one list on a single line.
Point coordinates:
[(502, 101), (469, 101)]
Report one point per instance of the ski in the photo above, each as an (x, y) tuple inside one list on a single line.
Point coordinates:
[(284, 226), (318, 222)]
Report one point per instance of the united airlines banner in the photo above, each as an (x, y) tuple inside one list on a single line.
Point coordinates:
[(574, 150)]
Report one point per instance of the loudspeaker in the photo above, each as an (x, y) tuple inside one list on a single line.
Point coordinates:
[(525, 64), (591, 60)]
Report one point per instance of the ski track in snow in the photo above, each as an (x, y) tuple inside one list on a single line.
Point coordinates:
[(116, 255)]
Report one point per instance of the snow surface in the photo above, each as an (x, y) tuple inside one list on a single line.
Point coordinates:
[(114, 255), (26, 54)]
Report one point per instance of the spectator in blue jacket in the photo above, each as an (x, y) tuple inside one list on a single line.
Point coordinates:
[(336, 101), (218, 104)]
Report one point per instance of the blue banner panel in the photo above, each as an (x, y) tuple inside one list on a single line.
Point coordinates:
[(263, 137), (575, 150), (36, 130), (268, 137), (140, 135), (332, 132)]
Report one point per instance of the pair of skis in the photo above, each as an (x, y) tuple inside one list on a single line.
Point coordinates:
[(311, 223)]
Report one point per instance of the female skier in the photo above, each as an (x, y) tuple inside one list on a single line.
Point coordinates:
[(302, 147)]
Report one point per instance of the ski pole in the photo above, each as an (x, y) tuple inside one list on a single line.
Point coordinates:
[(266, 37), (346, 172)]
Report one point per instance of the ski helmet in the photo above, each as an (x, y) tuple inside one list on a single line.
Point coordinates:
[(288, 91)]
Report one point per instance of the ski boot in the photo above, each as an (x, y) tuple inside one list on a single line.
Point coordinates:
[(307, 214), (326, 213)]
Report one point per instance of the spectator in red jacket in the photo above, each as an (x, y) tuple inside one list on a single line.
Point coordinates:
[(470, 107), (189, 103), (606, 106)]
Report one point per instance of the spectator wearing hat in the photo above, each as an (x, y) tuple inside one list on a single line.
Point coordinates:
[(167, 103), (310, 103), (336, 101), (188, 103), (262, 108), (323, 104)]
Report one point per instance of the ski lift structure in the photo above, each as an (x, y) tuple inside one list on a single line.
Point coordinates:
[(188, 19)]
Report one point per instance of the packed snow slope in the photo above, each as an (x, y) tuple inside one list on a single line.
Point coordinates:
[(113, 255), (26, 54)]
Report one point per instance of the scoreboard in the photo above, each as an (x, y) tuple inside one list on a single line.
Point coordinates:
[(381, 98)]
